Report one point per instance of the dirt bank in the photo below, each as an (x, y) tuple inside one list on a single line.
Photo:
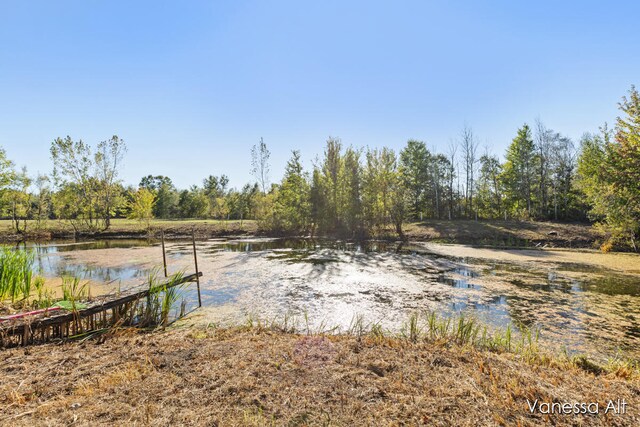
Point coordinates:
[(490, 233), (506, 233), (252, 377)]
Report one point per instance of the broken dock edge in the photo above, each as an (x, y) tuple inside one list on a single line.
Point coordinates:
[(106, 313)]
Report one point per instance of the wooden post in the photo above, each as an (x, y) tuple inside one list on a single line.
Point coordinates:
[(164, 255), (195, 260)]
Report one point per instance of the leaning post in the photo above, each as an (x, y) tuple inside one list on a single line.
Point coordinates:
[(195, 260), (164, 256)]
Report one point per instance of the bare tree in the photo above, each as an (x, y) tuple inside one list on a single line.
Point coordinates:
[(469, 149), (453, 148), (260, 164)]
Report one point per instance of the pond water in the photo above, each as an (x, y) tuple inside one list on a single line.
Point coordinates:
[(582, 301)]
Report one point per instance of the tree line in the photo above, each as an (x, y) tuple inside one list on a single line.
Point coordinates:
[(358, 191)]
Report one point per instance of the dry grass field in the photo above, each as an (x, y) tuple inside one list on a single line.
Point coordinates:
[(256, 377)]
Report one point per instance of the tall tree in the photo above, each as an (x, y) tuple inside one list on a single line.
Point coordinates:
[(609, 174), (20, 202), (260, 164), (544, 143), (562, 164), (469, 149), (415, 172), (318, 200), (331, 175), (489, 191), (141, 206), (384, 200), (108, 160), (166, 195), (292, 207), (216, 190), (451, 174), (247, 202), (352, 182), (43, 199), (70, 205), (518, 174), (93, 176), (193, 203), (626, 166), (74, 177)]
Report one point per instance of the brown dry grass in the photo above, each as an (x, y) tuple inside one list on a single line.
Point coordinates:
[(260, 377), (506, 233)]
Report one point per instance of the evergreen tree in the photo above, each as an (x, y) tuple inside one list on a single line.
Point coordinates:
[(292, 209), (331, 174), (318, 200), (518, 174)]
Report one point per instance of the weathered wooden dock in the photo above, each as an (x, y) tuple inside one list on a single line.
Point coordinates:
[(100, 313), (103, 312)]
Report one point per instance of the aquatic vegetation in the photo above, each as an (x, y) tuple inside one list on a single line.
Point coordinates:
[(357, 326), (411, 331), (16, 276), (17, 282), (45, 296), (466, 330), (73, 290), (161, 298), (622, 367)]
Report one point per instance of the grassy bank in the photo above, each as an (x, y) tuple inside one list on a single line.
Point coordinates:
[(126, 228), (492, 233), (265, 376)]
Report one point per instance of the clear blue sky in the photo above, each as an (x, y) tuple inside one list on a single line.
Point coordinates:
[(191, 86)]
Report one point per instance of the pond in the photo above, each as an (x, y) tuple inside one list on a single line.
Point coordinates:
[(582, 301)]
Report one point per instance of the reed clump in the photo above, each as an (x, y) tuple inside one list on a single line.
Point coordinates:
[(466, 330), (16, 274), (161, 298), (18, 282)]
